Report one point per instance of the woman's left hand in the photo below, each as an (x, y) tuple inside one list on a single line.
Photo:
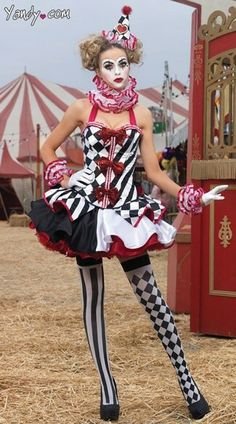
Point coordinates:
[(213, 194), (65, 182)]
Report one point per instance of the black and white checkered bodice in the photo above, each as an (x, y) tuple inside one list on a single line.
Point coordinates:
[(110, 156), (107, 179)]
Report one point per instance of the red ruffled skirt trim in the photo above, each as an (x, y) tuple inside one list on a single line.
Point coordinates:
[(117, 247)]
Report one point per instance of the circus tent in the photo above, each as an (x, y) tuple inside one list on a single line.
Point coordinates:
[(10, 169), (26, 102)]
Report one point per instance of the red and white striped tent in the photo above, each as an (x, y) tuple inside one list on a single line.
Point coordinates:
[(10, 170), (28, 101), (24, 103)]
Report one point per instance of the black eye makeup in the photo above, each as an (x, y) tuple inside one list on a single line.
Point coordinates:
[(123, 63), (108, 65)]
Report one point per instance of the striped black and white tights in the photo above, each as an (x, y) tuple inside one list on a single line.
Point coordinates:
[(92, 278)]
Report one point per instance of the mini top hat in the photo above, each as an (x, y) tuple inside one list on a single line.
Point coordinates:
[(121, 33)]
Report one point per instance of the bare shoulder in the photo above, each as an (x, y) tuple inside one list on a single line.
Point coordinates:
[(80, 105), (79, 110), (143, 116)]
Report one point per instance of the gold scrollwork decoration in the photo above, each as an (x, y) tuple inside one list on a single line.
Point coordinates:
[(198, 61), (222, 66), (196, 147), (220, 98), (225, 233), (218, 24)]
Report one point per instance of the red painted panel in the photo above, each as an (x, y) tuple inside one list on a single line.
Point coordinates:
[(222, 44), (196, 277), (213, 267), (224, 257), (213, 312)]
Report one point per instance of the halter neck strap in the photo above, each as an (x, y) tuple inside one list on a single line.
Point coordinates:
[(93, 113), (132, 118)]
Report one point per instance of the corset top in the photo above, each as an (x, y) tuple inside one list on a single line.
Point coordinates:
[(110, 156)]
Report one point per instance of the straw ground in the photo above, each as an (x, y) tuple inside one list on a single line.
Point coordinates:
[(47, 375)]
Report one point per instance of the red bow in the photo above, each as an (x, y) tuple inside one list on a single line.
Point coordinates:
[(104, 163), (107, 133), (112, 194)]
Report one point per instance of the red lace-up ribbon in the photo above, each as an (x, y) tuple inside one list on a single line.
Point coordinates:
[(107, 133), (105, 163), (111, 193)]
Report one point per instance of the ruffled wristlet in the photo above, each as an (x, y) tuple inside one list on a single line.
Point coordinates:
[(55, 172), (189, 199)]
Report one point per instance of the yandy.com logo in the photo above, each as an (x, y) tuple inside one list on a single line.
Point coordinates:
[(33, 15)]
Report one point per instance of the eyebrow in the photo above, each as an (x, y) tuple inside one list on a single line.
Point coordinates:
[(108, 61)]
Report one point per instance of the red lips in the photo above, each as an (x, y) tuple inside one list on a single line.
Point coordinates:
[(118, 79)]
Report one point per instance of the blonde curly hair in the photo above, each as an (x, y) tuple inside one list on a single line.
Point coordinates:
[(94, 45)]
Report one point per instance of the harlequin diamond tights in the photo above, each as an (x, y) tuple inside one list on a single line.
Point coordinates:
[(140, 275)]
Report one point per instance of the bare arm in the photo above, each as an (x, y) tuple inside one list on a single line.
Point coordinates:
[(70, 120), (150, 161)]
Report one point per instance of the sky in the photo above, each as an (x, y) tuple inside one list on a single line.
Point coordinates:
[(47, 45)]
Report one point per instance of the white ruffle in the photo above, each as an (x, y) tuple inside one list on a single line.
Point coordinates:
[(110, 223)]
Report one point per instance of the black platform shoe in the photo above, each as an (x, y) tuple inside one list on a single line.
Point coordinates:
[(199, 409), (110, 412)]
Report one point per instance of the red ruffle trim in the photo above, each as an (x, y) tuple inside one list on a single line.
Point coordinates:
[(117, 248)]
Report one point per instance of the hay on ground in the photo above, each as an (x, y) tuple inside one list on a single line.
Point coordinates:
[(47, 375)]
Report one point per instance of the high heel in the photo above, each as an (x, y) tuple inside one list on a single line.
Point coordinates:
[(199, 409), (110, 412)]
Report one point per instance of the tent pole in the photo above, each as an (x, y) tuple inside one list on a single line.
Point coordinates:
[(166, 83), (4, 208), (38, 188)]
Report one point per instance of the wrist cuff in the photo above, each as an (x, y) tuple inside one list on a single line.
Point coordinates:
[(189, 199), (55, 171)]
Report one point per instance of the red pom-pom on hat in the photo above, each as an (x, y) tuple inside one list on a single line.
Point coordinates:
[(126, 10)]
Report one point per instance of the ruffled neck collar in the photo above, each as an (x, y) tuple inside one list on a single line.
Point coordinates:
[(110, 100)]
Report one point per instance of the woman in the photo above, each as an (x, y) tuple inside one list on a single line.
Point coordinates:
[(97, 212)]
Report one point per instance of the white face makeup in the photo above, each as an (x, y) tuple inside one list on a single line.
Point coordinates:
[(115, 71)]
